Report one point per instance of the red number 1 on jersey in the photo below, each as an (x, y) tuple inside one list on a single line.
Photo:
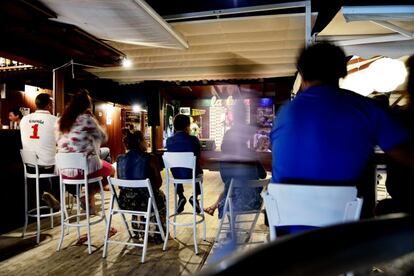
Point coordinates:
[(35, 130)]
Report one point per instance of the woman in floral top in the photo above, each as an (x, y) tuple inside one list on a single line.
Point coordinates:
[(79, 131)]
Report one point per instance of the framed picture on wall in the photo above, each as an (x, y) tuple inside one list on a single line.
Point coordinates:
[(185, 111)]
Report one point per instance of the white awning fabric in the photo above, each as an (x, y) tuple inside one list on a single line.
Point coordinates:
[(235, 48), (128, 21), (391, 37)]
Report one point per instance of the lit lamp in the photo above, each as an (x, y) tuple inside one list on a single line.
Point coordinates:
[(387, 74)]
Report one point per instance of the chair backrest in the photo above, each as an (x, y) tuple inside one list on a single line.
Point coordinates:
[(239, 183), (72, 161), (310, 205), (29, 157), (179, 160), (123, 183)]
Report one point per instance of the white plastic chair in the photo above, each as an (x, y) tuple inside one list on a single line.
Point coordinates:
[(77, 161), (183, 160), (290, 204), (152, 209), (231, 214), (30, 159)]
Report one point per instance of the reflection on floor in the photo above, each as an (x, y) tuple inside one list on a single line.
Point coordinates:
[(23, 257)]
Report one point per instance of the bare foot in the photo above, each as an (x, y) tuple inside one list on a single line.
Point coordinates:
[(210, 210)]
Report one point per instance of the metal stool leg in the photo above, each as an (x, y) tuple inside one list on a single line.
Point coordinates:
[(62, 214), (167, 223), (195, 222), (175, 211), (78, 209), (202, 210), (26, 216), (88, 218), (37, 211)]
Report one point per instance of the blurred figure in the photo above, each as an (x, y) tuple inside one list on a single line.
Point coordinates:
[(327, 135), (136, 163), (194, 128), (79, 131), (182, 141), (239, 162), (15, 116), (400, 176)]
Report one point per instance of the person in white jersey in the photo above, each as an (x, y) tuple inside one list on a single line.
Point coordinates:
[(38, 134)]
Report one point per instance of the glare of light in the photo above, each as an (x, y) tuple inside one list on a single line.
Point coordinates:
[(136, 108), (387, 74), (109, 110), (359, 82), (126, 62)]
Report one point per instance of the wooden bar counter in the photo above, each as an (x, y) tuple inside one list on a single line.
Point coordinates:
[(11, 181)]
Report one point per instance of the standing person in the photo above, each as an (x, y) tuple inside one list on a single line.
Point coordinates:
[(239, 162), (326, 135), (15, 116), (37, 134), (182, 141), (136, 163), (79, 131)]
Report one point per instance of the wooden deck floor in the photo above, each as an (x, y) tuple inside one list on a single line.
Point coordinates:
[(23, 257)]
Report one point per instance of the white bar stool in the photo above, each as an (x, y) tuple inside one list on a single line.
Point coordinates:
[(30, 159), (77, 161), (183, 160)]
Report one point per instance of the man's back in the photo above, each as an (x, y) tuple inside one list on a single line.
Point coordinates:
[(38, 134), (329, 134), (183, 142)]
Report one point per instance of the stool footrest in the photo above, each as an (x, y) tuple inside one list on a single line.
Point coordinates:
[(201, 216)]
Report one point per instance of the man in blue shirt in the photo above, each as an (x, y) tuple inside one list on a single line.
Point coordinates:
[(327, 135), (182, 141)]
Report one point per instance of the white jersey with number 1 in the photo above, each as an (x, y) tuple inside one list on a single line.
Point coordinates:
[(38, 134)]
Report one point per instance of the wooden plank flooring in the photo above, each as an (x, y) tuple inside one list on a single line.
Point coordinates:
[(179, 258)]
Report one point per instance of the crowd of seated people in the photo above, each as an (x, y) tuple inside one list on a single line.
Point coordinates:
[(333, 131)]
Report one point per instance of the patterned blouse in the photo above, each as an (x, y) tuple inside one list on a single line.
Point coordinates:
[(86, 136)]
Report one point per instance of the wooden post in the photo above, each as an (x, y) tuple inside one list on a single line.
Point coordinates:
[(58, 92)]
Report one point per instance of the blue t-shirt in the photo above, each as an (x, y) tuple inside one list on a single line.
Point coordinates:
[(329, 134), (183, 142)]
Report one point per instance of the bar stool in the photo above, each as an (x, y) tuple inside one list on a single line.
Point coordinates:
[(77, 161), (183, 160), (30, 160)]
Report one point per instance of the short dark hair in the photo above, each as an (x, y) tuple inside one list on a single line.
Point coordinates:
[(17, 112), (322, 61), (135, 141), (181, 122), (42, 100)]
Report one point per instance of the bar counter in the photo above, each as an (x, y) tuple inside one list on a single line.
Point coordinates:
[(11, 181)]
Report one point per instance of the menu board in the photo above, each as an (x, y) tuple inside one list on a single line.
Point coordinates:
[(132, 120)]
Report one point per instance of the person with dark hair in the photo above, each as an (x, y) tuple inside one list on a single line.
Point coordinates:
[(399, 176), (182, 141), (79, 131), (37, 134), (15, 116), (136, 163), (327, 135)]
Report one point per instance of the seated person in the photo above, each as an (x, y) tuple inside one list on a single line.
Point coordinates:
[(15, 116), (37, 134), (138, 164), (79, 131), (182, 141)]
